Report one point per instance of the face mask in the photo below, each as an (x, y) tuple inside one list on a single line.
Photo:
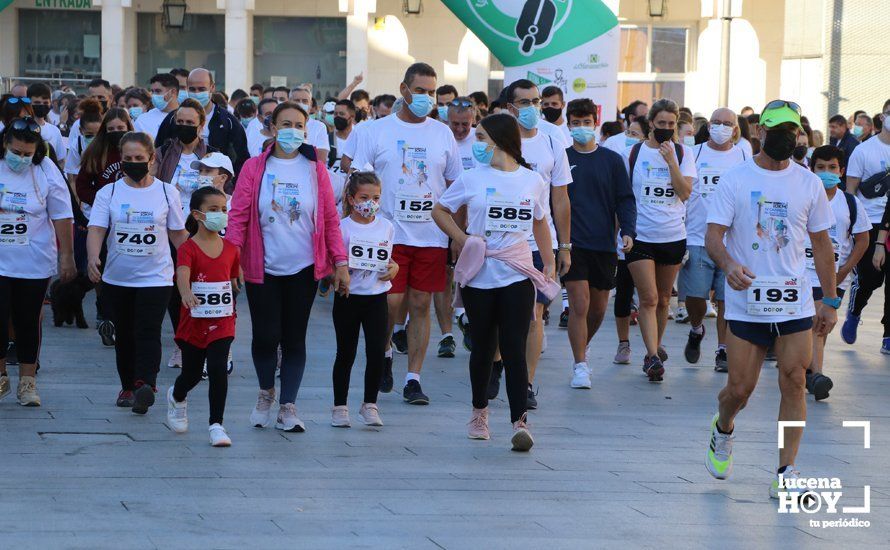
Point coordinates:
[(17, 163), (367, 209), (528, 117), (857, 131), (134, 170), (799, 152), (135, 112), (829, 179), (205, 181), (689, 141), (779, 144), (482, 153), (340, 123), (290, 139), (551, 114), (662, 134), (158, 101), (583, 134), (182, 96), (255, 99), (215, 221), (40, 111), (114, 138), (201, 97), (421, 105), (443, 113), (331, 119), (186, 134), (628, 141), (87, 140), (245, 122), (720, 133)]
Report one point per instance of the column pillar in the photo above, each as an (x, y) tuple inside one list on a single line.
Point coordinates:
[(9, 42), (239, 46), (117, 66), (357, 43)]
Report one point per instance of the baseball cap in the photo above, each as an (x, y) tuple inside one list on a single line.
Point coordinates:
[(329, 106), (214, 160), (780, 111)]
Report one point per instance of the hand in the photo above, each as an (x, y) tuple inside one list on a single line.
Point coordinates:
[(842, 274), (457, 245), (626, 243), (341, 280), (564, 261), (67, 269), (189, 300), (358, 78), (826, 318), (878, 259), (240, 279), (667, 152), (391, 270), (550, 270), (738, 276), (93, 265)]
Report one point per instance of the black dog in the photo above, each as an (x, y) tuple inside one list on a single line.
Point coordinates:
[(67, 300)]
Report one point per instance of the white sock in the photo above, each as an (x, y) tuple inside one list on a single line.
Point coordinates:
[(411, 376), (388, 353), (398, 327), (700, 329), (458, 311), (582, 364), (565, 299)]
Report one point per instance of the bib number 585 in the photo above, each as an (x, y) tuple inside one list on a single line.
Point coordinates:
[(509, 213)]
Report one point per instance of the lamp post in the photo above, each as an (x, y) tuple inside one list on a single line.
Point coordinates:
[(174, 14)]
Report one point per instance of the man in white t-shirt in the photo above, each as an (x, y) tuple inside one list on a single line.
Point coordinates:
[(257, 132), (344, 125), (765, 209), (416, 158), (870, 158), (700, 275), (316, 131), (164, 88)]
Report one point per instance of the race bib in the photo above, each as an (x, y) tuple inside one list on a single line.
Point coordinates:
[(657, 189), (505, 214), (136, 239), (414, 205), (775, 296), (811, 262), (710, 177), (214, 300), (14, 229), (368, 254)]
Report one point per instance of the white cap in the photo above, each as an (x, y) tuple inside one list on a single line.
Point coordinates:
[(214, 160), (330, 106)]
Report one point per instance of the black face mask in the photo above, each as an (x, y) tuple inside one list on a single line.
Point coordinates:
[(340, 123), (662, 134), (114, 138), (551, 114), (780, 144), (40, 111), (134, 170), (104, 104), (799, 152), (359, 115), (186, 134)]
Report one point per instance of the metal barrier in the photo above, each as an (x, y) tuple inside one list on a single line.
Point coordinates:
[(54, 82)]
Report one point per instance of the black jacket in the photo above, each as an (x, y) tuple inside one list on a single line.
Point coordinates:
[(226, 134), (847, 143)]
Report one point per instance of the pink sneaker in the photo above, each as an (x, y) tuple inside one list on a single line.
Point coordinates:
[(522, 438), (479, 424), (370, 414)]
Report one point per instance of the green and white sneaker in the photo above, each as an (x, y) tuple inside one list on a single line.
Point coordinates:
[(719, 458), (779, 485)]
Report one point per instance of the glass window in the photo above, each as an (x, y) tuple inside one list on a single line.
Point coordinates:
[(290, 51), (668, 50), (200, 44), (59, 44), (634, 45)]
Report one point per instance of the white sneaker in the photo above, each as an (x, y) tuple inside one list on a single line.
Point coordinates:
[(340, 417), (370, 415), (544, 343), (175, 361), (177, 413), (671, 313), (778, 485), (287, 419), (581, 377), (261, 415), (711, 313), (681, 316), (219, 437), (5, 387), (230, 365), (27, 392)]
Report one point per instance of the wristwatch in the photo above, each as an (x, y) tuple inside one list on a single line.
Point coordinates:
[(565, 246), (832, 302)]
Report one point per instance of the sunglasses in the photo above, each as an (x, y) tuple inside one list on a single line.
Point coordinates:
[(25, 124), (779, 103), (14, 100), (460, 103)]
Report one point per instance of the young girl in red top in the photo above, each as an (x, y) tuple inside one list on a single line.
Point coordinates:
[(206, 275)]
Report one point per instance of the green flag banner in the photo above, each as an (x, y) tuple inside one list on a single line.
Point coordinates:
[(572, 44)]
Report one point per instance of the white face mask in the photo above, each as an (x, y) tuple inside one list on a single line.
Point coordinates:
[(720, 133)]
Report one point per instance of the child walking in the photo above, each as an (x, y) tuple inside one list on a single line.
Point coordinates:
[(206, 276), (368, 241)]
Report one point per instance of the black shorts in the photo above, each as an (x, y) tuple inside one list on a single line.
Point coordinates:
[(597, 268), (765, 334), (538, 262), (661, 253), (818, 295)]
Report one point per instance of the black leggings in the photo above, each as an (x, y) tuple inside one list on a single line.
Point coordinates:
[(217, 355), (279, 315), (500, 316), (624, 290), (21, 301), (368, 313), (867, 279), (137, 313)]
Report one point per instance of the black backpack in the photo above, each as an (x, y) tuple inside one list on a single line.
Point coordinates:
[(851, 206), (635, 152), (876, 185)]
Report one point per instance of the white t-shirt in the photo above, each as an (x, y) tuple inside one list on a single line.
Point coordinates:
[(660, 213), (566, 133), (150, 122), (29, 202), (53, 136), (413, 161), (255, 139), (54, 118), (868, 158), (768, 214), (185, 179), (138, 249), (317, 134), (489, 194), (617, 143), (840, 236), (548, 158), (555, 132), (76, 146), (287, 215), (709, 166), (338, 177), (349, 147), (371, 241), (745, 145), (465, 148)]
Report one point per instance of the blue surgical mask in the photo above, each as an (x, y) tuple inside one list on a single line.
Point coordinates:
[(17, 163), (482, 152), (329, 119), (290, 139), (182, 96), (583, 134), (628, 141), (158, 101), (443, 113), (255, 99), (215, 221), (421, 105), (829, 179), (201, 97), (528, 117), (245, 122), (135, 112)]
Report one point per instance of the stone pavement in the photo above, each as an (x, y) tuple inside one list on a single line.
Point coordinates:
[(620, 465)]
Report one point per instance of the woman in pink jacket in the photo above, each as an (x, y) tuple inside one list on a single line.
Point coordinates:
[(284, 219)]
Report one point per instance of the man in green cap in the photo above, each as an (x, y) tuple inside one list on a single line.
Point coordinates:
[(764, 209)]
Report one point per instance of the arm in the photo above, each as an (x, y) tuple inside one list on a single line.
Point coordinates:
[(682, 185), (541, 232), (823, 257), (65, 237), (183, 278), (562, 218), (860, 245), (625, 208), (853, 185), (444, 218), (177, 236), (738, 276), (240, 210), (344, 93), (95, 236), (71, 180)]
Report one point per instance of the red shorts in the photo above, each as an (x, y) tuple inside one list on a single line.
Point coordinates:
[(420, 268)]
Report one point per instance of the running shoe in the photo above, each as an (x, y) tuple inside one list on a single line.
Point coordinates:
[(218, 436), (711, 313), (779, 485), (654, 368), (693, 346), (522, 438), (447, 346), (175, 361), (622, 356), (370, 414), (721, 363), (682, 315), (288, 420), (719, 457), (230, 367), (5, 388), (819, 385), (564, 318), (885, 346), (531, 402), (177, 413), (143, 397), (340, 417), (581, 376), (672, 314), (12, 356), (27, 392), (662, 353), (494, 379), (478, 424), (261, 415), (106, 333), (386, 380), (124, 399), (414, 395), (849, 328), (464, 325), (400, 341)]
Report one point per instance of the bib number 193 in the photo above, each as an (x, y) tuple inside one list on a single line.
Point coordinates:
[(775, 296)]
